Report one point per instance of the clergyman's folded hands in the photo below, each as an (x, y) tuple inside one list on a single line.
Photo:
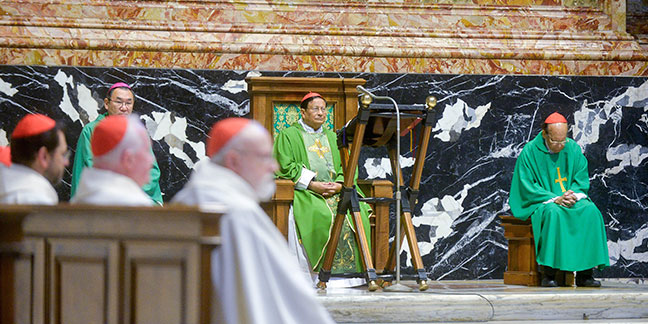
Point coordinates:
[(326, 189), (568, 199)]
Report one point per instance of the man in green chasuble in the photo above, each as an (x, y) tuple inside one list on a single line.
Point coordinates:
[(307, 155), (550, 185)]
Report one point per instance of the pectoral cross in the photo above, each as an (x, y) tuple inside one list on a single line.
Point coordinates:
[(318, 148), (560, 180)]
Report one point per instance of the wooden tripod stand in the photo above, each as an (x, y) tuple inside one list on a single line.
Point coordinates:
[(381, 122)]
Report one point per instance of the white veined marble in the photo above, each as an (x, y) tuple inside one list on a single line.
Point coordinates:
[(236, 86), (627, 155), (66, 103), (173, 130), (626, 248), (381, 167), (458, 118), (7, 88)]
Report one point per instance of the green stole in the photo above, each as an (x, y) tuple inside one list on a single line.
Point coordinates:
[(314, 215), (321, 162)]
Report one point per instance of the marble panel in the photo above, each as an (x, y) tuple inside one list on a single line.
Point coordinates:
[(490, 37), (280, 62), (483, 121)]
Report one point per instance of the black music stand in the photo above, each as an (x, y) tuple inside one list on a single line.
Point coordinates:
[(376, 126)]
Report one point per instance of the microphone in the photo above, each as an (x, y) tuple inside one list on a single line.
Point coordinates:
[(373, 96)]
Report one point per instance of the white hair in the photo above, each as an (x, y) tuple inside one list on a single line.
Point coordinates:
[(249, 133), (131, 141)]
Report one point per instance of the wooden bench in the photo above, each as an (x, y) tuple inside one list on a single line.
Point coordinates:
[(106, 264), (522, 268)]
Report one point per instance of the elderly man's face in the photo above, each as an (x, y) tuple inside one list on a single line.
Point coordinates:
[(555, 137), (258, 167), (315, 114), (121, 102)]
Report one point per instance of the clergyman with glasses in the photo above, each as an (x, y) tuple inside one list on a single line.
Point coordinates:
[(550, 184), (308, 155), (119, 100)]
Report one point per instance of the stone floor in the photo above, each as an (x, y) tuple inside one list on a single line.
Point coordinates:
[(617, 301)]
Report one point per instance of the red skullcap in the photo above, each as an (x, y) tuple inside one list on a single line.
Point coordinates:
[(310, 95), (33, 124), (555, 118), (222, 132), (119, 85), (108, 133), (5, 155)]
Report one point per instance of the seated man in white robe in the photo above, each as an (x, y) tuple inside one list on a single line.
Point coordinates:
[(39, 155), (256, 278), (122, 162)]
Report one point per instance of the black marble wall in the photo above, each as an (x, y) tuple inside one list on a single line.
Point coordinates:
[(482, 124)]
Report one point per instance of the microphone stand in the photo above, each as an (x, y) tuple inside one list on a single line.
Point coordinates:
[(398, 287)]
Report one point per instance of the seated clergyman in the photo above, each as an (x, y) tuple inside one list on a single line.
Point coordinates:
[(550, 185), (307, 155), (39, 155), (122, 163)]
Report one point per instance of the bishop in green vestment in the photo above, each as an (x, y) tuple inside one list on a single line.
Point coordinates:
[(550, 185), (119, 101), (307, 155)]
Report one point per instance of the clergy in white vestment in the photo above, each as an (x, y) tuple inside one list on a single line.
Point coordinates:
[(256, 278), (39, 155), (122, 162)]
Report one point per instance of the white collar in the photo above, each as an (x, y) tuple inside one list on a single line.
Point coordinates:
[(309, 129)]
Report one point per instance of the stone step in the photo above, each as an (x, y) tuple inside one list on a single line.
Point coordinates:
[(490, 301)]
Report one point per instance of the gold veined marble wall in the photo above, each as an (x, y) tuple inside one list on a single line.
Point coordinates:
[(579, 37)]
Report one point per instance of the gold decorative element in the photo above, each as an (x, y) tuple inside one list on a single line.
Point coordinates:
[(372, 285), (423, 286), (318, 148), (430, 102), (321, 285), (365, 100), (560, 180)]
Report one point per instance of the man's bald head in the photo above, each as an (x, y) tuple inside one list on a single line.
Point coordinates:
[(248, 153)]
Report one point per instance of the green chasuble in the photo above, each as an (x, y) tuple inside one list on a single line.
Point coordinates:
[(566, 238), (294, 150), (83, 159)]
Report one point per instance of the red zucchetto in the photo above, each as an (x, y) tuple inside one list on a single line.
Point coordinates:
[(33, 124), (108, 133), (555, 118), (310, 95), (223, 131)]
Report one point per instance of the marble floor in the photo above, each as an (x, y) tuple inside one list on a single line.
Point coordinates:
[(490, 301)]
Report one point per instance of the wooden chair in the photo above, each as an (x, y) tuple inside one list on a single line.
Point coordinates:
[(522, 268), (274, 102)]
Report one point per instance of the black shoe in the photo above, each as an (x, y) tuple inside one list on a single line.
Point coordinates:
[(588, 282), (548, 277), (585, 279), (548, 282)]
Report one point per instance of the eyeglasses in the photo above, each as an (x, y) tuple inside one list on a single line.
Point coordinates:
[(120, 103), (66, 155), (316, 109), (556, 142)]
